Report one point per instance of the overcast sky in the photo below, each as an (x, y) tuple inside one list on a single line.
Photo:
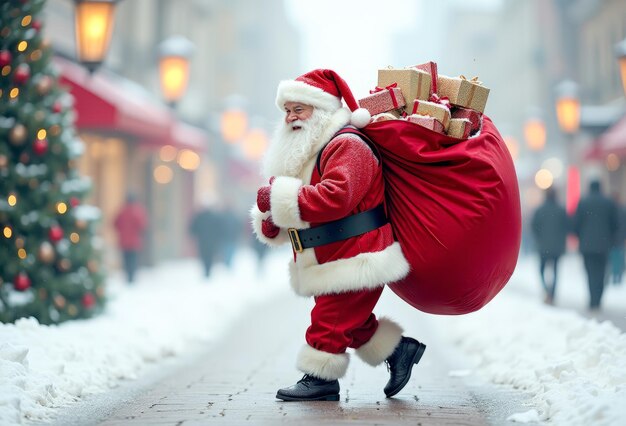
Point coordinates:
[(355, 37)]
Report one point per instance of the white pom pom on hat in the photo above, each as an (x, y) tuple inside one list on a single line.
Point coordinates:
[(323, 89)]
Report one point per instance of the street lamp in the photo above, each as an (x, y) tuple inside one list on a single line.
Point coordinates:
[(535, 133), (568, 115), (174, 55), (234, 124), (93, 28), (620, 52), (568, 106)]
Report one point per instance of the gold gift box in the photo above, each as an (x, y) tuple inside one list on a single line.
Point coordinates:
[(415, 84), (439, 112), (462, 92), (459, 128)]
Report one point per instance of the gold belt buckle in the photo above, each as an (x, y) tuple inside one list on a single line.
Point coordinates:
[(295, 240)]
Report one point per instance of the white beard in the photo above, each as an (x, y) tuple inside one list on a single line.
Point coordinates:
[(291, 149)]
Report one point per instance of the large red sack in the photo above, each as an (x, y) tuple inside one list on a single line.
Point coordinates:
[(455, 209)]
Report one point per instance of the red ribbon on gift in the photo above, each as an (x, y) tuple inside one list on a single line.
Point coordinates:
[(390, 88), (445, 101), (430, 67)]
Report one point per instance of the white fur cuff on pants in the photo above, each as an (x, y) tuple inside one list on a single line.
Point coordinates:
[(322, 365), (382, 343)]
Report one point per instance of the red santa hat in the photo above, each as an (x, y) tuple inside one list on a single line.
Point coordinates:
[(322, 89)]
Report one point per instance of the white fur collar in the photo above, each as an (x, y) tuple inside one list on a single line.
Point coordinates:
[(339, 119)]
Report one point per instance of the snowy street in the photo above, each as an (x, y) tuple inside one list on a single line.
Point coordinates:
[(564, 368)]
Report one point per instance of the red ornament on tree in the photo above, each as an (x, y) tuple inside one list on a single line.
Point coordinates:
[(21, 282), (40, 146), (88, 300), (74, 202), (57, 107), (55, 234), (36, 25), (22, 74), (5, 58)]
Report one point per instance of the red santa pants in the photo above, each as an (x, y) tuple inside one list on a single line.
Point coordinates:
[(343, 320)]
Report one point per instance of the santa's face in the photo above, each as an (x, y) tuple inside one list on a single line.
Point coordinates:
[(296, 140), (296, 113)]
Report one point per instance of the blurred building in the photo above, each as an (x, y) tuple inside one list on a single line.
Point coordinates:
[(522, 51), (173, 157)]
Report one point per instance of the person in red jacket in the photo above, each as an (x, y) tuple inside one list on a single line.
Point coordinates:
[(326, 197), (130, 224)]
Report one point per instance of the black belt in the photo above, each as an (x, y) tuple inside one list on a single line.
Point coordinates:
[(338, 230)]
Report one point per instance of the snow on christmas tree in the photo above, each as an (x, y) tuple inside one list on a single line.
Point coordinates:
[(49, 262)]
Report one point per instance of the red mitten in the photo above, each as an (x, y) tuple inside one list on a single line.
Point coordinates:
[(268, 228), (263, 196)]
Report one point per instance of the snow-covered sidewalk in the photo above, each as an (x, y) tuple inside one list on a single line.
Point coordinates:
[(573, 368), (171, 311)]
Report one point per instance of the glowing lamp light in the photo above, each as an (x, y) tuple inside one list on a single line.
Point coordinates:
[(188, 160), (168, 153), (12, 200), (163, 174), (544, 179), (94, 26), (8, 232), (234, 125), (568, 107), (255, 143), (174, 56), (535, 134)]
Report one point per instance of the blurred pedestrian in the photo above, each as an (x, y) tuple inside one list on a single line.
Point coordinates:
[(205, 229), (230, 231), (549, 226), (616, 256), (596, 223), (130, 224)]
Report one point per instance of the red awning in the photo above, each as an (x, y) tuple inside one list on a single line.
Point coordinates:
[(614, 139), (109, 103)]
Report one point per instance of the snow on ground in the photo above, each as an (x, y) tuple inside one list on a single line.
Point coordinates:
[(170, 310), (573, 368)]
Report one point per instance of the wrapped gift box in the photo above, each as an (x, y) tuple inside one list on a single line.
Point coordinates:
[(383, 100), (475, 117), (384, 116), (431, 68), (426, 121), (433, 109), (459, 128), (413, 83), (462, 92)]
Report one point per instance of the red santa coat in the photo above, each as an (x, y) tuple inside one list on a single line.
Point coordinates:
[(346, 277), (351, 181)]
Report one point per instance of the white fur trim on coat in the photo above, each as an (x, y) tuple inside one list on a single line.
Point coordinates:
[(363, 271), (382, 344), (322, 365), (284, 203), (256, 219), (298, 91)]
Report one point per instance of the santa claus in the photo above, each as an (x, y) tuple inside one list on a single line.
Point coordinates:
[(326, 197)]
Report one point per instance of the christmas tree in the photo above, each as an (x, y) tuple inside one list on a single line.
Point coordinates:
[(49, 261)]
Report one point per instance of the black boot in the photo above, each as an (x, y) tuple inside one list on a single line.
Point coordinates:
[(400, 363), (310, 388)]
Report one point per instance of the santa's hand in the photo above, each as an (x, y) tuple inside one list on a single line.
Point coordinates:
[(263, 196), (269, 229)]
